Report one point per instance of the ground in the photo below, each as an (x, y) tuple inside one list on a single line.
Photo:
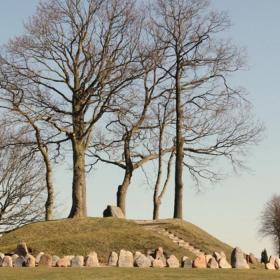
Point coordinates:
[(81, 236), (135, 274)]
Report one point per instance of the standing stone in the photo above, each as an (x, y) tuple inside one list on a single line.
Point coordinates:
[(186, 262), (38, 257), (20, 262), (271, 263), (125, 259), (217, 256), (223, 255), (63, 262), (55, 260), (223, 263), (159, 255), (158, 264), (208, 258), (277, 262), (70, 258), (113, 259), (92, 260), (140, 260), (150, 252), (200, 262), (270, 266), (7, 262), (213, 264), (151, 258), (113, 211), (14, 258), (21, 249), (252, 259), (173, 262), (30, 261), (2, 256), (238, 260), (45, 260), (77, 261)]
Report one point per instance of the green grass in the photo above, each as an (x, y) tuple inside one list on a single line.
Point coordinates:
[(196, 236), (135, 274), (81, 236)]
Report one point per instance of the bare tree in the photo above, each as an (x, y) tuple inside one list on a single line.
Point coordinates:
[(126, 140), (270, 221), (22, 188), (211, 120), (78, 55), (18, 114), (79, 67)]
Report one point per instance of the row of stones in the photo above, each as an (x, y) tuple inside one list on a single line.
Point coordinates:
[(158, 258), (124, 259), (203, 260)]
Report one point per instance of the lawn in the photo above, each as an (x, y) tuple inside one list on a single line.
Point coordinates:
[(134, 273)]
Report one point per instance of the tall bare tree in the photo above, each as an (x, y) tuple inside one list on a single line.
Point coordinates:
[(270, 221), (78, 54), (164, 116), (199, 65)]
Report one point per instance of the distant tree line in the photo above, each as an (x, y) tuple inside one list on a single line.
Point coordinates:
[(126, 83)]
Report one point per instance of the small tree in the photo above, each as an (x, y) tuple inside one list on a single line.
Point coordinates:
[(270, 221)]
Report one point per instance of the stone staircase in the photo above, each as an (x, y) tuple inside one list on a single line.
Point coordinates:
[(159, 228)]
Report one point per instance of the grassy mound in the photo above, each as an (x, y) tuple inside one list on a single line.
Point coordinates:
[(81, 236), (196, 236)]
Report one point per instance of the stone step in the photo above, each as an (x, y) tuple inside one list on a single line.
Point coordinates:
[(175, 239)]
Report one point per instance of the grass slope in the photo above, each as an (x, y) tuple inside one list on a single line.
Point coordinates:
[(135, 274), (81, 236), (196, 236)]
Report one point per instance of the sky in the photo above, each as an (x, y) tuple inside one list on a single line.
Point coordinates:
[(230, 210)]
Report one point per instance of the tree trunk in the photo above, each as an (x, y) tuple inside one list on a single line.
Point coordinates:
[(122, 191), (158, 196), (49, 205), (79, 208), (156, 210), (278, 245), (178, 202)]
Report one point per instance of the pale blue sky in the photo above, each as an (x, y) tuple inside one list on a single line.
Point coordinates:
[(231, 209)]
